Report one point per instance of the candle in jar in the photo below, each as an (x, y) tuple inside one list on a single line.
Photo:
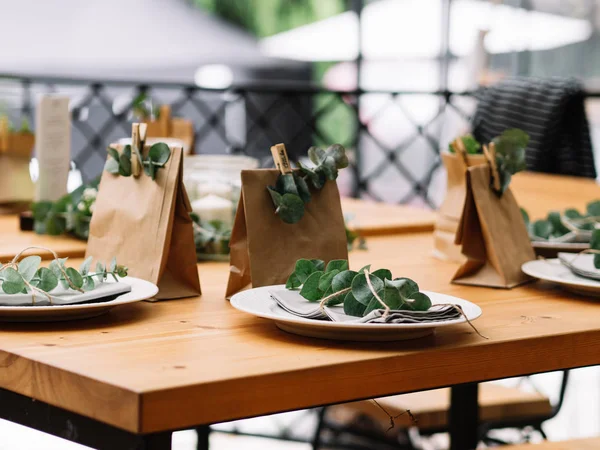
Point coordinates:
[(213, 207), (214, 188)]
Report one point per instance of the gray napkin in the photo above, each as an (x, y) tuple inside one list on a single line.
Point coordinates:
[(580, 264), (60, 296), (292, 302)]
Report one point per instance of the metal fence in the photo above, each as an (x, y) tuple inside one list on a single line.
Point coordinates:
[(393, 138)]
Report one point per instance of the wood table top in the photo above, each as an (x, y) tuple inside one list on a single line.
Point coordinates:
[(150, 367)]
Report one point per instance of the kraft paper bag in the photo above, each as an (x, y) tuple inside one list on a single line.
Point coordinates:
[(492, 234), (146, 224), (264, 249)]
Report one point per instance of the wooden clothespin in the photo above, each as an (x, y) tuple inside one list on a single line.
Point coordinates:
[(4, 134), (490, 155), (281, 158), (461, 151), (136, 150)]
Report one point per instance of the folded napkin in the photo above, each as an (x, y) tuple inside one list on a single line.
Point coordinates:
[(292, 302), (580, 264), (103, 292)]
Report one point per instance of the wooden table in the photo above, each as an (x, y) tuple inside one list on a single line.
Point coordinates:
[(127, 379)]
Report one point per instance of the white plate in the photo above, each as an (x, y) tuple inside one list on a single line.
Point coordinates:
[(140, 290), (552, 270), (259, 303)]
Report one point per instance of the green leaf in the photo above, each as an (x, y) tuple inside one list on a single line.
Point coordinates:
[(343, 280), (383, 274), (159, 153), (405, 286), (302, 186), (127, 151), (325, 280), (286, 184), (276, 197), (114, 154), (293, 282), (310, 289), (111, 166), (27, 267), (303, 269), (316, 155), (328, 168), (361, 290), (595, 245), (338, 153), (353, 307), (291, 209), (337, 264), (124, 165), (420, 302), (542, 228), (558, 229), (572, 213), (113, 264), (12, 282), (88, 284), (593, 208), (75, 277), (47, 279), (367, 268), (100, 272), (319, 264), (525, 216), (85, 265)]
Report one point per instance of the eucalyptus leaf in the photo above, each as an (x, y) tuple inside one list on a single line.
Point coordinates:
[(303, 269), (337, 264), (310, 288), (291, 209), (75, 277), (593, 208), (326, 278), (159, 153), (319, 264), (12, 282), (111, 166), (383, 274), (47, 279), (113, 265), (28, 266), (85, 265), (293, 282), (542, 228), (353, 307), (114, 154), (360, 289), (88, 283), (303, 189), (124, 165)]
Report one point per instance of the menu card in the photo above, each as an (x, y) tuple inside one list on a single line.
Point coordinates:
[(53, 146)]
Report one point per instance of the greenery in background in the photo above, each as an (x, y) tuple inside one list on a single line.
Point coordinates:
[(291, 191), (336, 283), (120, 164), (24, 127), (143, 108), (264, 18), (69, 214), (26, 276), (211, 238), (510, 153), (557, 225)]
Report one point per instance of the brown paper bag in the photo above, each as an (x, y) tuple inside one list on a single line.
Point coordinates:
[(264, 249), (146, 224), (493, 236), (172, 127)]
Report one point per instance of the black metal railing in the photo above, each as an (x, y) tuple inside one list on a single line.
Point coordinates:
[(393, 137)]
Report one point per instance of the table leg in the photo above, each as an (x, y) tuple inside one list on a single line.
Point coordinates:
[(203, 433), (158, 441), (464, 417)]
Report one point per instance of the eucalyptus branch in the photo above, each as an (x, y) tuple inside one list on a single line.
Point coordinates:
[(368, 278)]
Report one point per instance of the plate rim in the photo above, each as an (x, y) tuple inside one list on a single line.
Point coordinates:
[(585, 282), (116, 302), (235, 302)]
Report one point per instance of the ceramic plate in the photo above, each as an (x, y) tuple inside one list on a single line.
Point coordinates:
[(140, 290), (259, 303), (552, 270)]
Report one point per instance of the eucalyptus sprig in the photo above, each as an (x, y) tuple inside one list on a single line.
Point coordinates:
[(472, 147), (291, 191), (71, 213), (360, 291), (557, 224), (23, 276), (120, 164), (510, 155)]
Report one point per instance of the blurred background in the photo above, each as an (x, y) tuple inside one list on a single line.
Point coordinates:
[(392, 80)]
